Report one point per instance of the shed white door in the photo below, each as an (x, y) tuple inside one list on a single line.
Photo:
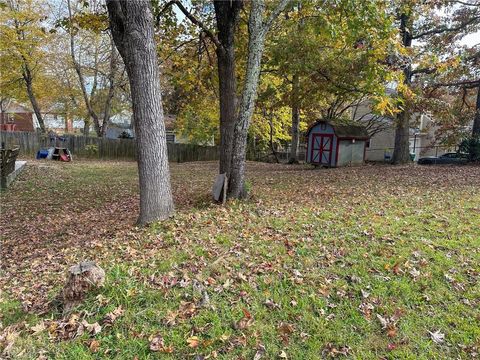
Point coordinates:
[(322, 149)]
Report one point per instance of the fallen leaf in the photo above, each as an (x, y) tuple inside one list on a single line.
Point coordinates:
[(92, 329), (7, 339), (224, 337), (285, 331), (391, 346), (94, 345), (38, 328), (157, 343), (437, 337), (415, 273), (193, 341), (383, 321), (111, 317), (365, 294), (246, 313), (271, 305), (260, 352), (392, 331)]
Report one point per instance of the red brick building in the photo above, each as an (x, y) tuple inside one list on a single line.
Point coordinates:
[(16, 117)]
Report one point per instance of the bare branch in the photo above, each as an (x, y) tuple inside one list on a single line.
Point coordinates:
[(444, 29), (469, 84), (197, 22)]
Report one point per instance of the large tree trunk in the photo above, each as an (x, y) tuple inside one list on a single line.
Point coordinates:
[(295, 121), (227, 15), (476, 119), (228, 104), (27, 77), (132, 29), (257, 30), (401, 151), (256, 43)]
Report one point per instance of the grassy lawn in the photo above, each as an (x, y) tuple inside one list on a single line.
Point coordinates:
[(364, 263)]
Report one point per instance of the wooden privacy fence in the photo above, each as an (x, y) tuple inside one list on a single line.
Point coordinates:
[(81, 146)]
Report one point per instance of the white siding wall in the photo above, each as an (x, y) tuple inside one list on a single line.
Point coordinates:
[(349, 153)]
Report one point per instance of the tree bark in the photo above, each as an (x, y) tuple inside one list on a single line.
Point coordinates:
[(401, 151), (295, 121), (86, 127), (27, 77), (256, 42), (272, 147), (111, 90), (227, 16), (131, 23), (476, 119), (257, 30)]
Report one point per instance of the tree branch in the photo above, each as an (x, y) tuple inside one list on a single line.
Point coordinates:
[(468, 84), (197, 22), (443, 29), (424, 71), (278, 9), (117, 22)]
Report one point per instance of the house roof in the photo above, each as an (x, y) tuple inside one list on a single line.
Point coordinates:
[(350, 131), (11, 106), (169, 121)]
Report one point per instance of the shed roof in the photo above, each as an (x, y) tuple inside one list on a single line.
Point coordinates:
[(351, 131)]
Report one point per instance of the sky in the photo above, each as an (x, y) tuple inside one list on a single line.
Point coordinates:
[(471, 40)]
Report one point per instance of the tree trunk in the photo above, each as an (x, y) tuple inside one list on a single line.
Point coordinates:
[(476, 119), (131, 23), (272, 147), (27, 77), (111, 91), (257, 30), (227, 15), (256, 42), (86, 127), (295, 121), (401, 151), (228, 105)]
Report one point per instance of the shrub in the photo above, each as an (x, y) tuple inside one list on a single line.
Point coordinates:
[(125, 135), (471, 147), (92, 150)]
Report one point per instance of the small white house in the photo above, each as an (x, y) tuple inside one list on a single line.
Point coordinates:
[(423, 140)]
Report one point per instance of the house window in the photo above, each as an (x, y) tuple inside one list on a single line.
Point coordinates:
[(170, 137), (10, 118)]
